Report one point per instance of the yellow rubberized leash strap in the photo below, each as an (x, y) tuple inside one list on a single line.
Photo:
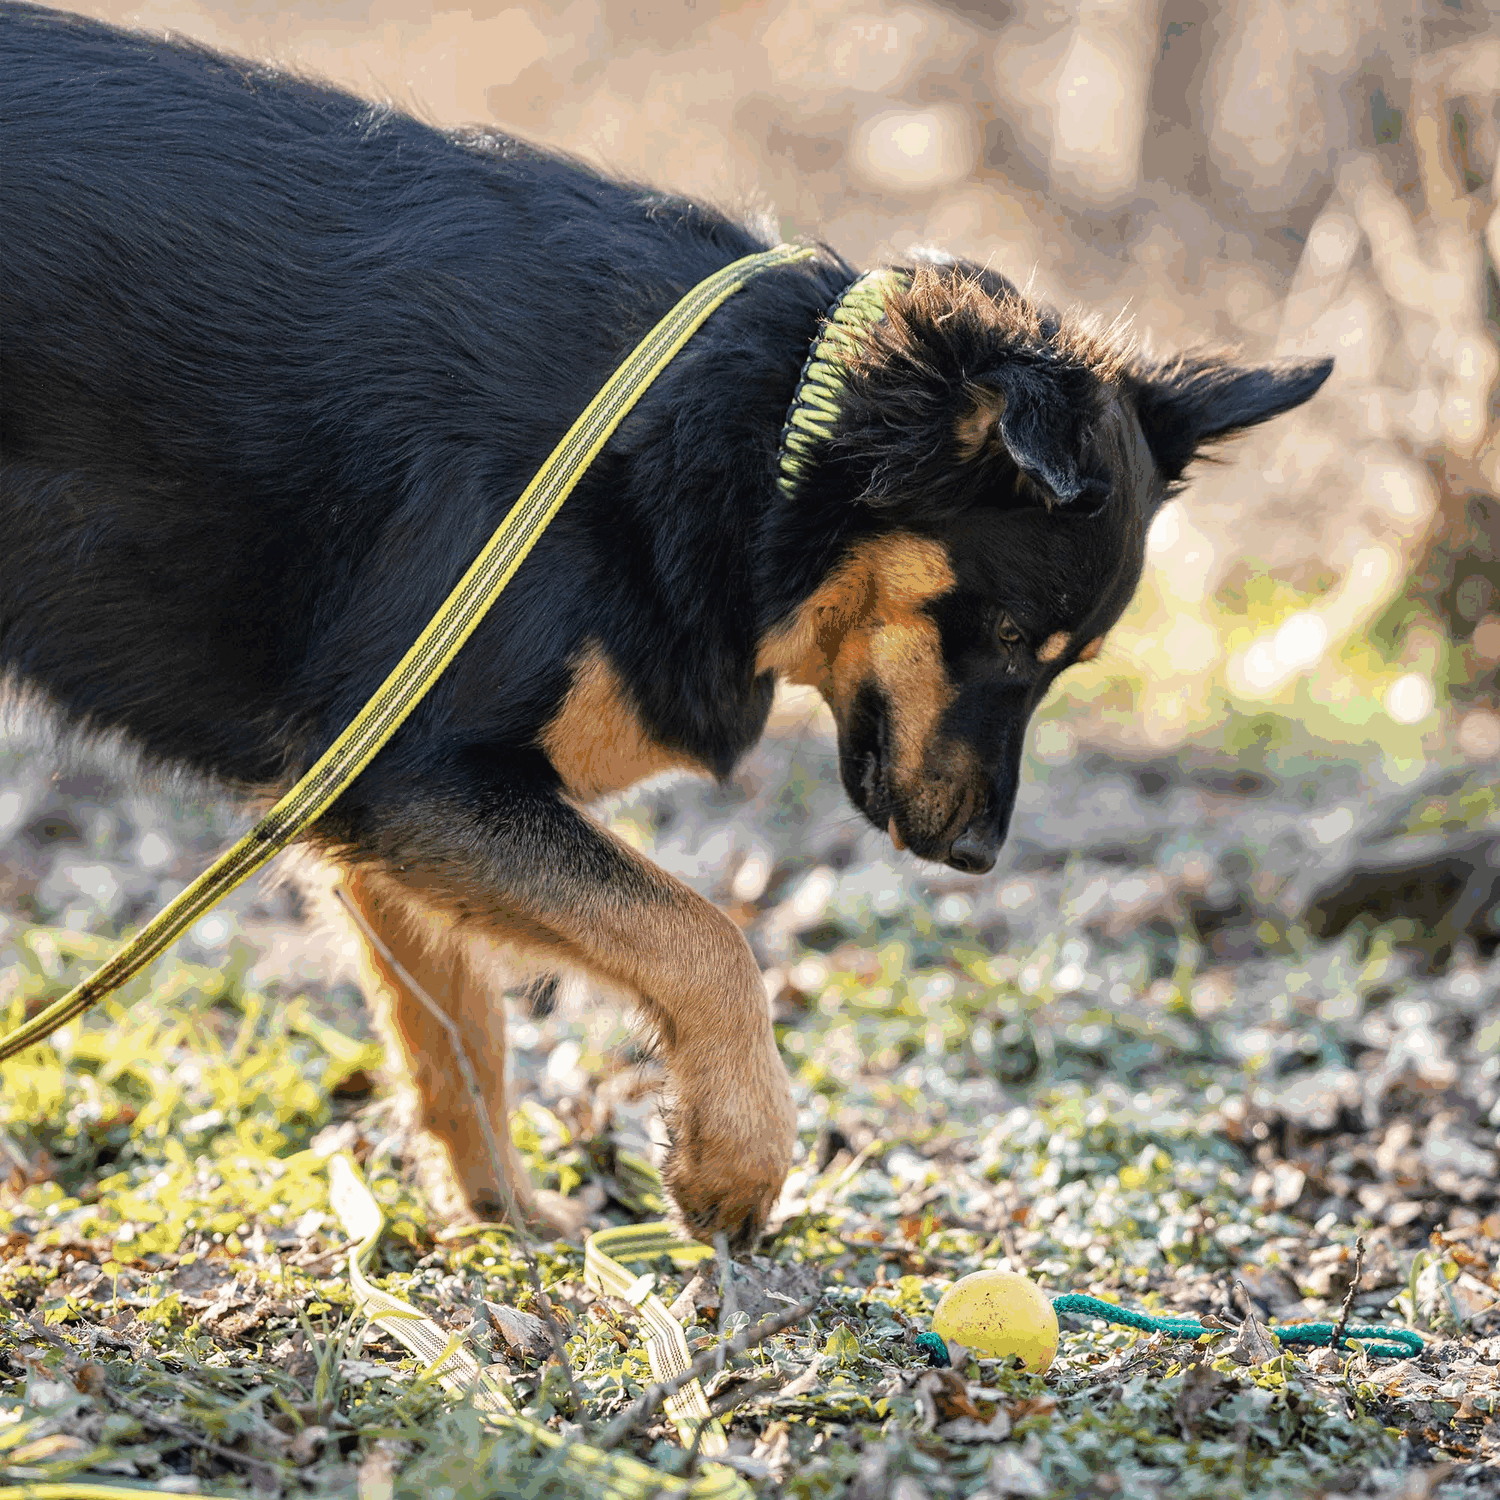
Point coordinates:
[(437, 645), (617, 1476), (665, 1345), (73, 1489)]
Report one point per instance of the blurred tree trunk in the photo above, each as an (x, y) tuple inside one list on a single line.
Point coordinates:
[(1458, 576), (1458, 569)]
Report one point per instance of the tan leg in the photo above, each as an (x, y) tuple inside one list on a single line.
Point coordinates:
[(509, 861), (404, 944), (730, 1112)]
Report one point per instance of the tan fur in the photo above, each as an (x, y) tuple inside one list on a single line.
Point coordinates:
[(977, 429), (416, 942), (887, 578), (905, 656), (697, 982), (597, 743), (1053, 647), (867, 621), (733, 1122), (1092, 650)]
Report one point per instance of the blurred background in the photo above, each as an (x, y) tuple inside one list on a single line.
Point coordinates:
[(1296, 727)]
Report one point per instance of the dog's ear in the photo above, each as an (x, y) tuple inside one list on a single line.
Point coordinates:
[(1040, 413), (1187, 402)]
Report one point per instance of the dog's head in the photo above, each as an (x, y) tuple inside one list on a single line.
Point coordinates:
[(995, 469)]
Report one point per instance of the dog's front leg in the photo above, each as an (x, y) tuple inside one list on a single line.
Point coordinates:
[(513, 860)]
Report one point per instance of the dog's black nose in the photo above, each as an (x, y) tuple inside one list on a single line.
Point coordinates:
[(974, 851)]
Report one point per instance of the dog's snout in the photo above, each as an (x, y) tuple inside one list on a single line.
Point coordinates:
[(974, 851), (977, 846)]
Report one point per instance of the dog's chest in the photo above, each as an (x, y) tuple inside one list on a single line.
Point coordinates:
[(596, 741)]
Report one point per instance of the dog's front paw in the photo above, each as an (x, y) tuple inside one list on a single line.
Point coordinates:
[(732, 1143)]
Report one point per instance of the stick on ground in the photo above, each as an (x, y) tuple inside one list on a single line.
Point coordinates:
[(709, 1360), (1354, 1281)]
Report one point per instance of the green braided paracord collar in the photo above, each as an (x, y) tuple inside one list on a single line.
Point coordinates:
[(815, 406)]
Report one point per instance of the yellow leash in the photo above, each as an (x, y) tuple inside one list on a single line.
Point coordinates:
[(615, 1476), (451, 1363), (437, 645)]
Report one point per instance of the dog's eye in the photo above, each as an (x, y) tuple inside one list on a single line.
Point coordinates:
[(1006, 632)]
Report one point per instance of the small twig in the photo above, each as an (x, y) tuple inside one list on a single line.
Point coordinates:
[(487, 1130), (1348, 1307), (185, 1435), (654, 1395), (39, 1329), (331, 1253), (728, 1400), (726, 1292)]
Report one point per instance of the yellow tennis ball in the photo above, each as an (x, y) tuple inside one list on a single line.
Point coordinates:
[(996, 1313)]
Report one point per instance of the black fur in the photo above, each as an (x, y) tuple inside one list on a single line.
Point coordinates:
[(276, 360), (1198, 397)]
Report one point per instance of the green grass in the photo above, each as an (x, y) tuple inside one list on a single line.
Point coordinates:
[(1110, 1107), (179, 1316)]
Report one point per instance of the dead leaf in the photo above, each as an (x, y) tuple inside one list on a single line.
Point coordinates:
[(524, 1333), (1013, 1474), (307, 1444), (773, 1448), (968, 1430), (1033, 1406), (1463, 1297), (1251, 1344), (1274, 1288), (1202, 1387), (684, 1306), (54, 1446), (943, 1393)]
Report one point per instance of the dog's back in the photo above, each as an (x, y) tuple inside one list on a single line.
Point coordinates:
[(252, 325)]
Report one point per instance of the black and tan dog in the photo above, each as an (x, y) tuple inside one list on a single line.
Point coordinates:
[(276, 360)]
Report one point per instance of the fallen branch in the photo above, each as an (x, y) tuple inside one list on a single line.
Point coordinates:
[(1354, 1281), (711, 1359)]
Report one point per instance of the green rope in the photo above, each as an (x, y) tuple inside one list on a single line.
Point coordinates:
[(1406, 1345)]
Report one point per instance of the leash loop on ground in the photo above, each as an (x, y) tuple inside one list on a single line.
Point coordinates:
[(408, 682), (665, 1345), (1403, 1342), (617, 1476)]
